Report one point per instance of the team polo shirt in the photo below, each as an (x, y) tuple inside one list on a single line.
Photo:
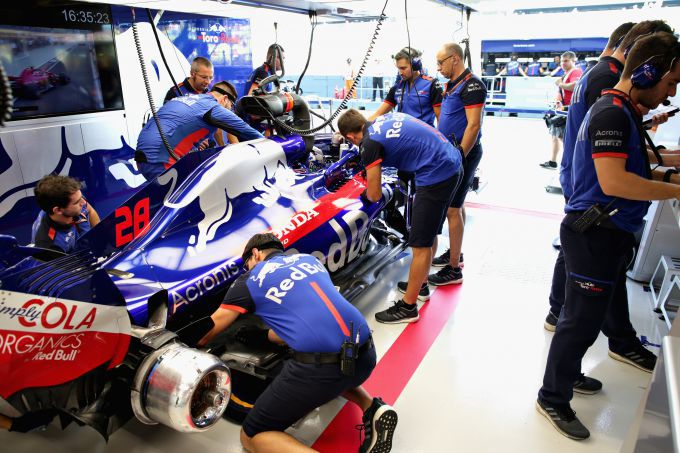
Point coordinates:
[(512, 68), (466, 92), (571, 76), (185, 89), (47, 233), (418, 99), (401, 141), (295, 297), (259, 74), (186, 121), (611, 128), (534, 69), (605, 74)]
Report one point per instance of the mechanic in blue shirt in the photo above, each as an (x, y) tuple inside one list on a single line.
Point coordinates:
[(612, 186), (408, 144), (274, 63), (187, 122), (415, 93), (604, 75), (295, 296), (198, 82), (513, 68), (534, 69), (461, 123), (65, 214), (555, 67)]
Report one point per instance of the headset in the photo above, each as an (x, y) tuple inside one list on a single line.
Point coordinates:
[(648, 73), (272, 52), (413, 56)]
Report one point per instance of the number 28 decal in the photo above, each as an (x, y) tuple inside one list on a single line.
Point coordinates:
[(131, 223)]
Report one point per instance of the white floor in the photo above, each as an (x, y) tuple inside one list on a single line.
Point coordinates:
[(475, 389)]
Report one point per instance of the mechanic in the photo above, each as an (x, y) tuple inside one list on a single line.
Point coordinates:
[(513, 68), (604, 75), (416, 94), (535, 69), (566, 86), (402, 141), (461, 123), (198, 82), (612, 186), (273, 64), (187, 121), (333, 350), (65, 214)]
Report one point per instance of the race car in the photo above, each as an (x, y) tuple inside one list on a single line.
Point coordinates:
[(32, 82), (93, 335)]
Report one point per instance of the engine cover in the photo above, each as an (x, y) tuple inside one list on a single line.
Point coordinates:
[(180, 387)]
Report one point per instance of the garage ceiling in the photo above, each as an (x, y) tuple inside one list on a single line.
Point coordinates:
[(357, 10)]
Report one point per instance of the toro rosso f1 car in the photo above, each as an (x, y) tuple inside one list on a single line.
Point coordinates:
[(92, 335)]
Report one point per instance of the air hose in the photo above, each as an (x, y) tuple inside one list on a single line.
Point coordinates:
[(160, 49), (348, 95), (142, 65), (312, 19)]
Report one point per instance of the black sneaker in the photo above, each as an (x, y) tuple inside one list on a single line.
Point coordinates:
[(444, 259), (447, 275), (563, 419), (398, 313), (550, 165), (423, 295), (550, 323), (379, 423), (587, 385), (640, 357)]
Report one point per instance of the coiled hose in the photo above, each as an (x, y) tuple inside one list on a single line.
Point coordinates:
[(145, 76), (348, 95), (6, 98)]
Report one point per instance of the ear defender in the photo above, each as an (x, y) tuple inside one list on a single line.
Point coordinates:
[(416, 64), (645, 76)]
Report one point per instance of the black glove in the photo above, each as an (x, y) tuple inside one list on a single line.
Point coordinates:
[(253, 336), (32, 421)]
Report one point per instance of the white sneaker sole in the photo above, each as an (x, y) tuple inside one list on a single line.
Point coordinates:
[(549, 327), (384, 423), (400, 321), (626, 360)]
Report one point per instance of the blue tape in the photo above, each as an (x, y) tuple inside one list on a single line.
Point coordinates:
[(645, 342)]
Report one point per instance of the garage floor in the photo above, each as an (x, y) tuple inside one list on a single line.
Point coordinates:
[(465, 377)]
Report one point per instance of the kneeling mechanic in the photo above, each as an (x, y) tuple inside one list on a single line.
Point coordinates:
[(333, 350)]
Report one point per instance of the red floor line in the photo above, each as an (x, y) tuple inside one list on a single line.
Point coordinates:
[(393, 372), (546, 215)]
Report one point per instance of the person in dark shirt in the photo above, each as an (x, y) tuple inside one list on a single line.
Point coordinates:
[(198, 82), (294, 295), (401, 141), (535, 69), (612, 184), (416, 94), (65, 214), (461, 123), (187, 122), (273, 64), (604, 75)]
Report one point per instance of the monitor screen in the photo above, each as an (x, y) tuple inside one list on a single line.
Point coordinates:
[(60, 58)]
